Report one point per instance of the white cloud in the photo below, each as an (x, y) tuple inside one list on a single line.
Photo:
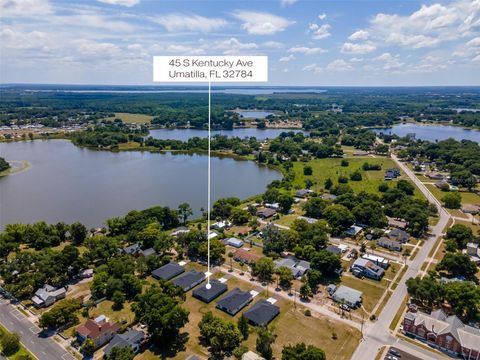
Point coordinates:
[(184, 49), (319, 31), (127, 3), (339, 65), (359, 35), (183, 22), (287, 58), (24, 8), (261, 23), (306, 50), (351, 48), (97, 50), (287, 2), (24, 41), (231, 46), (273, 44), (475, 42), (428, 26), (313, 68), (390, 62), (322, 16), (356, 59)]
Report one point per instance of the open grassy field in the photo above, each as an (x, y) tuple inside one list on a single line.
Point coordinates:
[(331, 168), (467, 197), (372, 290), (134, 118), (291, 326), (22, 351)]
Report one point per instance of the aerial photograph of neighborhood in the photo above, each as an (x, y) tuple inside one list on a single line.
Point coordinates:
[(239, 180)]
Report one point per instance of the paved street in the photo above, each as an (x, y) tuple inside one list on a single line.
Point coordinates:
[(42, 348), (378, 334)]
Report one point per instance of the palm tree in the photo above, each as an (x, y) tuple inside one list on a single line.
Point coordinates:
[(230, 255), (242, 265)]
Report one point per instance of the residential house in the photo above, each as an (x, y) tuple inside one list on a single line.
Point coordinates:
[(391, 174), (470, 209), (434, 175), (148, 252), (397, 223), (377, 260), (180, 230), (298, 267), (245, 256), (302, 193), (222, 225), (266, 213), (48, 295), (446, 333), (133, 249), (234, 242), (274, 206), (234, 301), (346, 295), (353, 231), (262, 313), (129, 339), (399, 235), (85, 274), (387, 243), (250, 355), (330, 197), (473, 250), (335, 250), (99, 330), (307, 219), (364, 267)]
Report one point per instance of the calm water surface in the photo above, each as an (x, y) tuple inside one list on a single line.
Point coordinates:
[(68, 183), (185, 134), (432, 132)]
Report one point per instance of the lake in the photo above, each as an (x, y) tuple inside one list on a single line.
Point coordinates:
[(68, 183), (254, 114), (185, 134), (432, 132)]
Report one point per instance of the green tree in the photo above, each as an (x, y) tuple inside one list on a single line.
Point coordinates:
[(243, 326), (263, 269), (305, 291), (10, 343), (302, 352), (184, 211), (118, 299), (4, 165), (339, 218), (285, 201), (285, 277), (220, 335), (461, 234), (458, 264), (328, 184), (88, 347), (78, 233), (264, 342), (315, 207), (62, 313), (356, 176), (307, 170), (452, 200), (121, 353), (159, 307), (240, 216)]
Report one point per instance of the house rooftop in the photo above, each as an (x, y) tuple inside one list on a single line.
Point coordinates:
[(246, 256), (95, 328), (261, 313), (234, 301), (148, 252), (349, 295), (207, 295), (189, 280), (132, 249), (168, 271), (130, 338), (333, 249)]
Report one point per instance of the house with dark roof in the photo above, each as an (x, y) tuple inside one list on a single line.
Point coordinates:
[(332, 249), (399, 235), (208, 295), (99, 330), (298, 267), (446, 333), (129, 339), (168, 271), (234, 301), (133, 249), (189, 280), (387, 243), (301, 193), (364, 267), (261, 313), (266, 213)]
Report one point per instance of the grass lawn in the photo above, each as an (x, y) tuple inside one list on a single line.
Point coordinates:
[(467, 197), (372, 290), (134, 118), (21, 351), (331, 168), (105, 308), (291, 326), (286, 220), (475, 227)]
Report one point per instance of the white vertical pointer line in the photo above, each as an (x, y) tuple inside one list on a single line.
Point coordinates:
[(208, 185)]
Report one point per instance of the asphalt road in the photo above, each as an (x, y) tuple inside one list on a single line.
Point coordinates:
[(42, 348), (377, 335)]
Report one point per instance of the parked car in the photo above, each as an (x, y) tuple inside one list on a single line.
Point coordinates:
[(395, 352), (345, 307)]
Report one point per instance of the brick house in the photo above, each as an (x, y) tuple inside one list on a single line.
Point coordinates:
[(99, 330), (446, 333)]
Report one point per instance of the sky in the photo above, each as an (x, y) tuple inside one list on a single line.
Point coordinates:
[(308, 42)]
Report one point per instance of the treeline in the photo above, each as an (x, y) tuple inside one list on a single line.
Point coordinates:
[(4, 165)]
